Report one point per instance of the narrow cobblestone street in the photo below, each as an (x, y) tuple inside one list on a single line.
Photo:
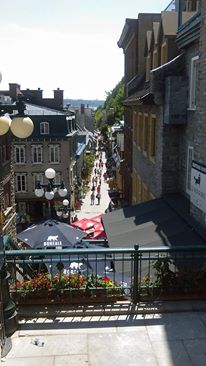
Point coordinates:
[(88, 210)]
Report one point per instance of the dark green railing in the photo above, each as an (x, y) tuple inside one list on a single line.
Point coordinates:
[(135, 272)]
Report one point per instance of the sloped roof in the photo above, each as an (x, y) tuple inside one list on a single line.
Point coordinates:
[(156, 26), (32, 110), (130, 26), (162, 221)]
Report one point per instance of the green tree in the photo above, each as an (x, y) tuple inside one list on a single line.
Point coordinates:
[(112, 110)]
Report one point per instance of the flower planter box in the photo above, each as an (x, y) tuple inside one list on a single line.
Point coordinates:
[(77, 297)]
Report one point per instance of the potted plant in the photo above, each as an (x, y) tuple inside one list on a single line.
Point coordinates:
[(71, 288)]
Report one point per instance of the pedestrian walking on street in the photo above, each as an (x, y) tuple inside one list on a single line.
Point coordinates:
[(98, 196), (92, 198)]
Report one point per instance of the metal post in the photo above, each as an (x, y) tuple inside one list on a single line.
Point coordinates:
[(49, 209), (8, 314), (135, 292), (180, 9)]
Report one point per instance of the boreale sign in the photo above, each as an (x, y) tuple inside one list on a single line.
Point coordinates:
[(198, 186)]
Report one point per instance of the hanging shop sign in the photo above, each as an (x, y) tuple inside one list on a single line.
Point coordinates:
[(198, 186)]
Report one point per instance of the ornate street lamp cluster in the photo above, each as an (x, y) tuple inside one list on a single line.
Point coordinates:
[(20, 125), (49, 189)]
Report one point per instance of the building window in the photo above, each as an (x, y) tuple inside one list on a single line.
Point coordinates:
[(20, 154), (44, 128), (193, 82), (57, 179), (135, 127), (54, 154), (21, 182), (155, 59), (190, 154), (145, 193), (191, 5), (5, 150), (37, 177), (164, 53), (37, 154), (146, 133), (7, 195), (152, 137), (140, 131)]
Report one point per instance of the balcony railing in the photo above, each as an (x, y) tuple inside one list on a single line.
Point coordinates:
[(124, 273)]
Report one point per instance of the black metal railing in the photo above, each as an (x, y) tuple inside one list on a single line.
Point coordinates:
[(133, 273)]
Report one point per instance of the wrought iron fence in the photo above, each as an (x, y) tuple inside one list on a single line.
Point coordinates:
[(133, 273), (71, 270)]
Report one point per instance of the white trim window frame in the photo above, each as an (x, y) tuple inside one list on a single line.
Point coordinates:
[(190, 156), (38, 177), (21, 182), (44, 128), (19, 154), (193, 83), (57, 179), (37, 154), (54, 154)]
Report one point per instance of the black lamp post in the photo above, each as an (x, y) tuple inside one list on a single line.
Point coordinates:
[(8, 314), (65, 211), (48, 190)]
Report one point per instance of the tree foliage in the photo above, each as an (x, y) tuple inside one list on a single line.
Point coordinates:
[(112, 110)]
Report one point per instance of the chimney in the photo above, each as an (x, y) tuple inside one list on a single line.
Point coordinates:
[(59, 98), (82, 108), (14, 90)]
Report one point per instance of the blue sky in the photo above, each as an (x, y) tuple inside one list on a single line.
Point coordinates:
[(70, 44)]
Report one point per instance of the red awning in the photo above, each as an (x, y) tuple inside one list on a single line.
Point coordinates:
[(93, 227)]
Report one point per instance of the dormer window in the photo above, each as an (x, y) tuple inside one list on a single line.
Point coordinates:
[(44, 128)]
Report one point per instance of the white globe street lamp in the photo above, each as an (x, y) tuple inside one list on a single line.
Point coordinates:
[(65, 210), (50, 173), (50, 189), (20, 125), (5, 123)]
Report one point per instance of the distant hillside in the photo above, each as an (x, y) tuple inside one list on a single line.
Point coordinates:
[(90, 103)]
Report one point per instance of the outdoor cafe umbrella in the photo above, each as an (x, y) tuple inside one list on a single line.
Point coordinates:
[(51, 234), (85, 264), (83, 224), (93, 227)]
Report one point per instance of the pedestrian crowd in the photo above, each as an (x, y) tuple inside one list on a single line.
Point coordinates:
[(97, 179)]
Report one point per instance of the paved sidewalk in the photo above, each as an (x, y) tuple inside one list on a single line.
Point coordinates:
[(88, 210), (160, 339)]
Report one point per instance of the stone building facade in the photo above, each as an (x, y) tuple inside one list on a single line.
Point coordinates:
[(7, 191), (51, 145), (163, 131), (132, 41)]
